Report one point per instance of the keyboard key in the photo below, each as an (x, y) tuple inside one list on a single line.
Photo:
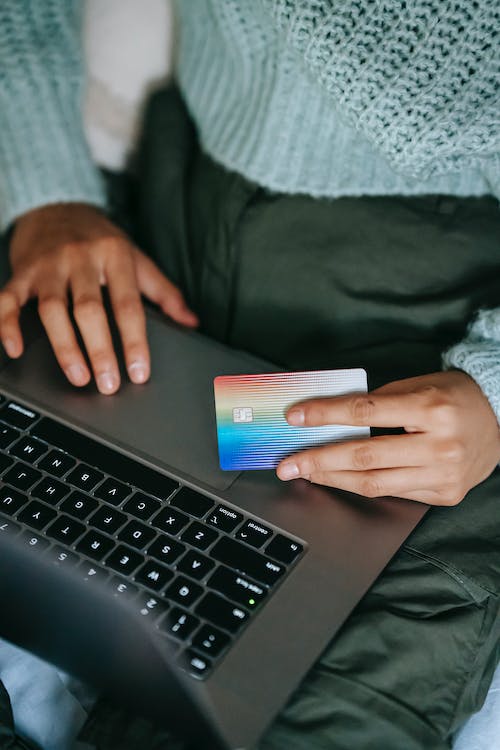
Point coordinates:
[(141, 506), (84, 477), (89, 572), (57, 463), (196, 664), (222, 613), (107, 459), (33, 541), (170, 520), (151, 606), (154, 575), (195, 564), (112, 491), (192, 502), (211, 640), (62, 557), (239, 557), (22, 476), (29, 449), (225, 519), (11, 501), (183, 591), (137, 534), (50, 490), (108, 520), (124, 560), (18, 416), (94, 544), (166, 550), (66, 530), (283, 549), (254, 533), (199, 535), (237, 587), (36, 515), (122, 588), (179, 623), (7, 435), (5, 462), (8, 527), (79, 505)]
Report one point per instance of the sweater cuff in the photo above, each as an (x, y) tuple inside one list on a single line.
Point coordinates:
[(478, 354), (44, 160)]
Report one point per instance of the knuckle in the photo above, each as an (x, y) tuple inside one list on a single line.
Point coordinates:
[(7, 298), (87, 307), (361, 408), (102, 360), (49, 306), (444, 414), (430, 393), (452, 451), (362, 457), (129, 306), (371, 487)]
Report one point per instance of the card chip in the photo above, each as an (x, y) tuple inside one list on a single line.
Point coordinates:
[(242, 414)]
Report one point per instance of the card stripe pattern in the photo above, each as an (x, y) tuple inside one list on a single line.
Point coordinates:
[(252, 430)]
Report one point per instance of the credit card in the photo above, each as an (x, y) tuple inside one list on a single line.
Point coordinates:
[(252, 431)]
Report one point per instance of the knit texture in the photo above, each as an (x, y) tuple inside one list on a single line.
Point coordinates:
[(479, 355), (44, 157), (328, 98), (359, 97)]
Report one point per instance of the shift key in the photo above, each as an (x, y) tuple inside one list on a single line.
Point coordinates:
[(240, 557)]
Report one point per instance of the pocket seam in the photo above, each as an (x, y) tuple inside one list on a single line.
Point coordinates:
[(468, 584)]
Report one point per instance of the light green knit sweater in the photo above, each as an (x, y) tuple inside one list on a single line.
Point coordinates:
[(324, 97)]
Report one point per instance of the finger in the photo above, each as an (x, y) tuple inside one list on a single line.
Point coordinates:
[(130, 318), (368, 409), (362, 455), (53, 311), (92, 321), (12, 297), (381, 482), (157, 288)]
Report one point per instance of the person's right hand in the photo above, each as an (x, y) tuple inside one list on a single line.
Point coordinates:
[(72, 248)]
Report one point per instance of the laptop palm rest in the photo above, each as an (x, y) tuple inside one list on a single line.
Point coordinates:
[(169, 422)]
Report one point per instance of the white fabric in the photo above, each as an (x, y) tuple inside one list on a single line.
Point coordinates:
[(128, 49)]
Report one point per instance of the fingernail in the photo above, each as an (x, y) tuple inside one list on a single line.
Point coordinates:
[(138, 371), (288, 471), (77, 374), (295, 417), (107, 382), (10, 347)]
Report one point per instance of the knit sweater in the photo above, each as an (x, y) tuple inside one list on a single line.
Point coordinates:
[(327, 98)]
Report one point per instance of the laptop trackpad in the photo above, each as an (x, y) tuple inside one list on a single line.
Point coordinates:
[(169, 422)]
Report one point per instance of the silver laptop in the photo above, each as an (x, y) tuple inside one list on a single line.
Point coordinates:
[(200, 596)]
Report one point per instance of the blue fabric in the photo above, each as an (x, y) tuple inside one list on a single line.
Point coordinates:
[(49, 707)]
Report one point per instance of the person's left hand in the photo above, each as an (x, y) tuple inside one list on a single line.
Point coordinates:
[(452, 441)]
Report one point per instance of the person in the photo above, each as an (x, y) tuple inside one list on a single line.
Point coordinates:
[(323, 193)]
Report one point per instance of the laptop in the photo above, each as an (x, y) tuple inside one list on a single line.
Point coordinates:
[(198, 596)]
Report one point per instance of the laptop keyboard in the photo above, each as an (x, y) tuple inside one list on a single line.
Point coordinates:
[(198, 568)]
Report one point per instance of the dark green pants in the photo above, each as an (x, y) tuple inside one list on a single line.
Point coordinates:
[(382, 283)]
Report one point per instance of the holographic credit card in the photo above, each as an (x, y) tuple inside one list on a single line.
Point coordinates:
[(252, 430)]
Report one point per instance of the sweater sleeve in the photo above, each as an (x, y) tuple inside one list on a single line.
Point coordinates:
[(44, 157), (419, 80), (478, 354)]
